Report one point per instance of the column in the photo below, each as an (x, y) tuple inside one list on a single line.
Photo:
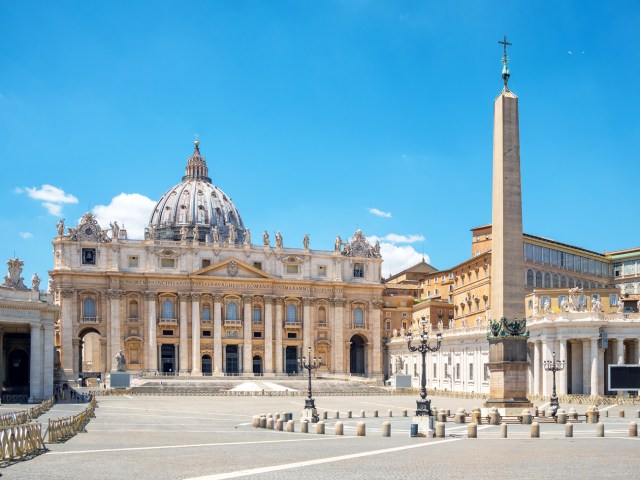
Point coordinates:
[(375, 323), (268, 334), (619, 353), (152, 347), (307, 302), (586, 367), (48, 346), (66, 333), (247, 358), (531, 347), (217, 334), (2, 370), (35, 365), (195, 335), (537, 363), (547, 355), (278, 329), (115, 344), (338, 335), (562, 374), (183, 352), (594, 366)]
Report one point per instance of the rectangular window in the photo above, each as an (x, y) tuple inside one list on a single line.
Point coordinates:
[(563, 259), (471, 372), (569, 261), (133, 261), (435, 370), (388, 325), (292, 269), (167, 333), (322, 270), (358, 270), (599, 268), (554, 258), (592, 266), (257, 265), (88, 256), (613, 300), (528, 252), (257, 315), (537, 254), (546, 256), (206, 312), (486, 373), (206, 263), (168, 262), (292, 335), (404, 314), (206, 333), (457, 371), (257, 334)]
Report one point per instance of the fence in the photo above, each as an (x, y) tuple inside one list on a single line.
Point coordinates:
[(21, 441), (23, 416), (62, 429)]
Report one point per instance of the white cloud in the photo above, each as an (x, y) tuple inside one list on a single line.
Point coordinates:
[(395, 238), (380, 213), (397, 258), (52, 198), (26, 235), (131, 210)]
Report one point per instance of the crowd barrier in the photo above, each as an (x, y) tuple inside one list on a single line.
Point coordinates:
[(62, 429), (23, 416), (21, 441)]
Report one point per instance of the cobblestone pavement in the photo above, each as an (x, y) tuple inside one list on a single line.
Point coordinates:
[(200, 437)]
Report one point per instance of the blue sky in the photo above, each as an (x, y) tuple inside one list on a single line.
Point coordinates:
[(313, 115)]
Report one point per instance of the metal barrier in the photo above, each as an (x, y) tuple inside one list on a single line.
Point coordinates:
[(62, 429), (23, 416), (21, 441)]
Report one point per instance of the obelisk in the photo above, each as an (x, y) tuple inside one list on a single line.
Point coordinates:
[(507, 334)]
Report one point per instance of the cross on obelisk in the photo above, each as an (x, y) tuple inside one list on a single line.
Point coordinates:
[(505, 61)]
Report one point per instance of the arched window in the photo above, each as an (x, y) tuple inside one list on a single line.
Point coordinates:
[(358, 317), (206, 311), (579, 283), (89, 307), (547, 280), (322, 316), (292, 313), (232, 311), (167, 309), (530, 277), (133, 309), (539, 279), (556, 281), (257, 314), (571, 282)]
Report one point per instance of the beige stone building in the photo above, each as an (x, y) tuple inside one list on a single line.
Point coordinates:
[(198, 297)]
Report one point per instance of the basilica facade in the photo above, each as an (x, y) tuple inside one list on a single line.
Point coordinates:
[(198, 297)]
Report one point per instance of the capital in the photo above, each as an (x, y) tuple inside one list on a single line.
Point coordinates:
[(308, 301), (195, 297), (67, 292), (150, 295), (217, 297), (338, 302), (184, 296), (115, 294), (247, 298)]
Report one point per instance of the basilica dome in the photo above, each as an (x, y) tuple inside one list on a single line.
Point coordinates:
[(196, 208)]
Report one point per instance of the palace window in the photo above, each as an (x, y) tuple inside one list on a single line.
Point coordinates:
[(89, 305), (257, 265), (358, 270), (613, 299), (292, 314), (563, 282), (206, 333), (556, 282), (133, 309), (547, 280), (530, 278), (257, 315), (206, 262), (168, 310), (322, 270), (206, 311), (471, 372), (322, 316), (358, 317), (293, 269), (232, 311), (133, 261), (167, 262)]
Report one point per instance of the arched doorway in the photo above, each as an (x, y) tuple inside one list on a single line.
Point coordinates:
[(168, 358), (291, 360), (17, 372), (90, 351), (206, 365), (257, 365), (357, 356), (232, 365)]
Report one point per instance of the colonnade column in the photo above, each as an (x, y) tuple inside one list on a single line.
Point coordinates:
[(115, 344), (247, 354), (530, 378), (183, 352), (537, 363), (278, 329), (562, 374), (547, 354), (268, 334), (586, 367), (152, 350), (307, 302), (338, 335), (36, 374), (594, 366), (217, 334), (47, 360), (195, 335), (619, 355), (66, 325), (376, 328)]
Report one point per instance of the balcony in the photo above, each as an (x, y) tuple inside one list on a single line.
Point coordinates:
[(359, 326), (167, 321), (232, 322), (89, 320), (293, 325), (133, 320), (206, 320)]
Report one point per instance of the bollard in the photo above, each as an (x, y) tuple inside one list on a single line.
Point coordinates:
[(621, 414), (494, 417), (535, 430), (476, 416), (593, 415), (633, 429), (472, 430), (276, 416), (572, 415), (270, 423), (460, 416), (362, 429), (263, 422), (561, 416), (404, 413), (390, 413), (442, 415), (375, 413), (291, 426), (526, 417), (279, 424), (440, 429), (324, 415), (337, 414), (255, 421), (304, 426), (339, 428), (599, 429), (269, 415), (349, 415), (535, 411), (568, 430), (503, 430), (361, 413), (386, 428), (638, 413), (320, 428)]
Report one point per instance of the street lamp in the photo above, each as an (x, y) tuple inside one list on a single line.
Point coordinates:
[(554, 366), (424, 405), (310, 364)]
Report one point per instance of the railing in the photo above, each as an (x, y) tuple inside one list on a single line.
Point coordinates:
[(89, 320), (292, 324), (23, 416), (20, 441), (62, 429), (167, 321), (206, 320), (228, 322), (359, 325), (133, 320)]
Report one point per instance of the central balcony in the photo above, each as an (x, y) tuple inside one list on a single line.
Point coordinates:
[(232, 322), (167, 321)]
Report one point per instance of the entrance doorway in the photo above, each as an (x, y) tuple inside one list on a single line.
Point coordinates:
[(90, 353), (291, 360), (356, 356), (257, 365), (168, 358), (206, 365), (232, 366), (17, 372)]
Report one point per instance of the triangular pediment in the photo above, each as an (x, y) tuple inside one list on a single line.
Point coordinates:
[(232, 268)]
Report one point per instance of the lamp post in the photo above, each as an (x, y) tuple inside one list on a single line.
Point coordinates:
[(554, 366), (423, 405), (310, 364)]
